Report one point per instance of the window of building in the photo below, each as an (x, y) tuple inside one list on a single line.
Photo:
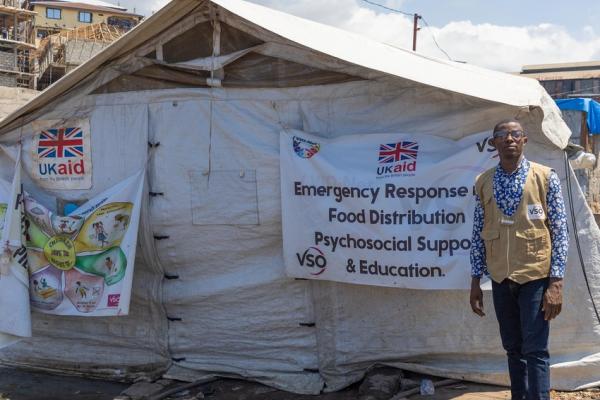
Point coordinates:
[(85, 16), (53, 13)]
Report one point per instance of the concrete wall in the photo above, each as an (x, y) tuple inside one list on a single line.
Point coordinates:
[(12, 98), (8, 80), (78, 52), (7, 60)]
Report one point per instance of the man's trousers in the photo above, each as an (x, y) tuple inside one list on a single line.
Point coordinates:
[(524, 334)]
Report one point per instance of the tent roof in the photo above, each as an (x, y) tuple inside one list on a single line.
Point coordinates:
[(456, 77)]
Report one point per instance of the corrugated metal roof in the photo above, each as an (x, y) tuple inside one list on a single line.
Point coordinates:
[(562, 75), (590, 64), (575, 66)]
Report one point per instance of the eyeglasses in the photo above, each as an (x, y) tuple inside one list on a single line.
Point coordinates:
[(516, 135)]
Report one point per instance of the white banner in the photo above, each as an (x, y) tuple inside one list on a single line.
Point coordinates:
[(82, 264), (62, 154), (15, 316), (380, 209)]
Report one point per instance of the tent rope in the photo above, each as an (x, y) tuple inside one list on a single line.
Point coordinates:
[(576, 233)]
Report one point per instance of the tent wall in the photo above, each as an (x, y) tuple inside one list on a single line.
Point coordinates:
[(436, 332), (212, 297), (239, 313), (122, 348), (233, 311)]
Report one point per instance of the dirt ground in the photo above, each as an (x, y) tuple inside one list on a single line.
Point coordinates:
[(24, 385)]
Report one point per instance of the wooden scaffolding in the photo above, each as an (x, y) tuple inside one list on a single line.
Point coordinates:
[(17, 43), (59, 53)]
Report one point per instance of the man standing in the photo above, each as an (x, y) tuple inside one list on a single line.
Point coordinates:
[(520, 240)]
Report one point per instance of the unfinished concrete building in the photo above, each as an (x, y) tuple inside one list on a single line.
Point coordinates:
[(17, 41), (61, 52)]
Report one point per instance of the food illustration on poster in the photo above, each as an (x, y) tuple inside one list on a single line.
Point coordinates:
[(83, 258)]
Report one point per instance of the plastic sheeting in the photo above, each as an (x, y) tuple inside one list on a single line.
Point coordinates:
[(233, 310), (121, 348), (590, 106), (211, 297)]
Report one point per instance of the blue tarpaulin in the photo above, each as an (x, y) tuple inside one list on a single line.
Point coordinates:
[(591, 107)]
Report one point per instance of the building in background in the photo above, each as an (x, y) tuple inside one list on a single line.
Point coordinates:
[(59, 53), (41, 41), (68, 32), (576, 87), (579, 80), (17, 41), (567, 80), (64, 15)]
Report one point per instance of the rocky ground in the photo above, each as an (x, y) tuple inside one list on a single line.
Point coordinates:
[(584, 395), (383, 383)]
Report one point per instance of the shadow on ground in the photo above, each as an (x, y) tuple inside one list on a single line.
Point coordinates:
[(24, 385)]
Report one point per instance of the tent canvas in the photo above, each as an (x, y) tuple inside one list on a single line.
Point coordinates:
[(199, 92)]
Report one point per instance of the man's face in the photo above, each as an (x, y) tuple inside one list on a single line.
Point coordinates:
[(509, 147)]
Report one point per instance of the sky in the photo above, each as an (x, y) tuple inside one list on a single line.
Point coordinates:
[(499, 34)]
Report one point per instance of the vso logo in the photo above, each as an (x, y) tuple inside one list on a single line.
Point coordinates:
[(536, 211), (313, 258), (486, 146)]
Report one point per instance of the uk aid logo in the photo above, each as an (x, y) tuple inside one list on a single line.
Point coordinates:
[(61, 152), (397, 159)]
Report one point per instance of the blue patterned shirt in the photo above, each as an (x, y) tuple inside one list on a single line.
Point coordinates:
[(508, 190)]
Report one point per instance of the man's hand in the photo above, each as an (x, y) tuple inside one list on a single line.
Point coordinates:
[(552, 304), (476, 297)]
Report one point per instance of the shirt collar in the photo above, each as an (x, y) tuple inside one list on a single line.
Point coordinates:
[(523, 164)]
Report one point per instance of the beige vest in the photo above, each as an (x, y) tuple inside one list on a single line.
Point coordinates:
[(519, 251)]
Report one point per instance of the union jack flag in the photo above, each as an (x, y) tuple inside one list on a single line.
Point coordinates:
[(60, 142), (394, 152)]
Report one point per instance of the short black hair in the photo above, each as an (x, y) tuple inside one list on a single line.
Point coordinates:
[(504, 122)]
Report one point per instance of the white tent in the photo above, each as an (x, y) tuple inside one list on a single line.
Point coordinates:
[(210, 84)]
